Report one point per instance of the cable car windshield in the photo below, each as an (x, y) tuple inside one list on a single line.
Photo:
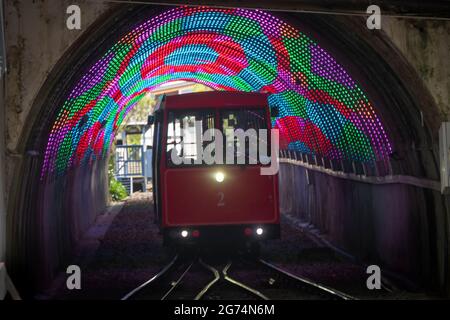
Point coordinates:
[(243, 133), (185, 131)]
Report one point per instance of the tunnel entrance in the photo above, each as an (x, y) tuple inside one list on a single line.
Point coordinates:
[(347, 123)]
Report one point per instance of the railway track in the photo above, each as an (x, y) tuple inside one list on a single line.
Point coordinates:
[(209, 285), (153, 279), (324, 291), (171, 282), (227, 280), (171, 267)]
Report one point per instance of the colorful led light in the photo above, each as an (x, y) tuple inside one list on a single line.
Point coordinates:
[(322, 110)]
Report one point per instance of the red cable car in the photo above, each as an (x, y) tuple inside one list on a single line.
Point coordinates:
[(197, 194)]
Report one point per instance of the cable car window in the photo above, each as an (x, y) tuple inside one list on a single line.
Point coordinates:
[(250, 121), (182, 134)]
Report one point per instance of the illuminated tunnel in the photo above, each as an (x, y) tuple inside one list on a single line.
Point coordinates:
[(332, 107), (322, 109)]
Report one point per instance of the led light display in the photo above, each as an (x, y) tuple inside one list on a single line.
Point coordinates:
[(322, 110)]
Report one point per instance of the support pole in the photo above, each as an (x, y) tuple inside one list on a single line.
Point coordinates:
[(3, 190), (6, 285)]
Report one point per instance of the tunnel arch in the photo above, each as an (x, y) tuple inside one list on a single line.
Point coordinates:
[(110, 30), (323, 111)]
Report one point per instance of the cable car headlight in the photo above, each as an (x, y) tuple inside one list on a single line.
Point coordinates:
[(219, 176), (259, 231), (184, 233)]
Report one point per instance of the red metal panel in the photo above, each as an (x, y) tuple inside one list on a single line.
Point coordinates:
[(194, 197), (216, 99)]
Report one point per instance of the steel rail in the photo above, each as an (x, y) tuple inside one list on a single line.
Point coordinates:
[(175, 284), (211, 283), (305, 281), (240, 284), (152, 279)]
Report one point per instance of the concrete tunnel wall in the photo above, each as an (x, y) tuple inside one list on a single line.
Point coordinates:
[(68, 205), (391, 225), (42, 243)]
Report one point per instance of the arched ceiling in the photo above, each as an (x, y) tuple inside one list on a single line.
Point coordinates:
[(323, 111)]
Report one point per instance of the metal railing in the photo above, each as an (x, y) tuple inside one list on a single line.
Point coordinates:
[(377, 173), (129, 161)]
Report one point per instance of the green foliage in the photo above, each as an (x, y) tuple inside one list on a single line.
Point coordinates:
[(142, 109), (198, 87), (116, 190), (133, 139)]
